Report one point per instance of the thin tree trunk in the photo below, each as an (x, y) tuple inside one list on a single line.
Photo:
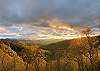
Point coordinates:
[(46, 67), (14, 64), (58, 65), (26, 67), (37, 65), (3, 65)]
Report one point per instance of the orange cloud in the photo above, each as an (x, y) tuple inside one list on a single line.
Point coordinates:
[(2, 29)]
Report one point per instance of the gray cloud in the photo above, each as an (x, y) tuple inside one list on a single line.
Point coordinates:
[(26, 10), (18, 14)]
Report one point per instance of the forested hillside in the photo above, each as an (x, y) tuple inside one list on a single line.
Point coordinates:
[(82, 54)]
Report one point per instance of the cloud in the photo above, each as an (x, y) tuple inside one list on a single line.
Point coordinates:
[(26, 10), (2, 29), (24, 17)]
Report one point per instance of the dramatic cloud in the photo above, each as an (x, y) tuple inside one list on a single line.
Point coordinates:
[(17, 17), (26, 10)]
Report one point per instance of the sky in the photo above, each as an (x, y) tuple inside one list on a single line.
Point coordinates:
[(20, 18)]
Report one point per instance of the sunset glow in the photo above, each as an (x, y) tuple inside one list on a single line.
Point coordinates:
[(47, 19)]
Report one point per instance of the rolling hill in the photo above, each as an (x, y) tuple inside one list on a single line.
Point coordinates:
[(71, 42)]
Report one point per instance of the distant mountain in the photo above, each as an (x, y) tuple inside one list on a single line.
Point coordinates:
[(68, 43), (46, 41), (98, 26), (61, 44)]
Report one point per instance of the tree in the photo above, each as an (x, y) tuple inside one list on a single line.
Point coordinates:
[(89, 46), (53, 59), (27, 57)]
